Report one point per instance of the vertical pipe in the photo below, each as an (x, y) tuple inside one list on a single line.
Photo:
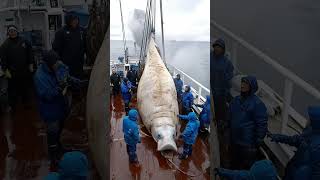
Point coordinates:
[(199, 94), (288, 89), (163, 50), (123, 33)]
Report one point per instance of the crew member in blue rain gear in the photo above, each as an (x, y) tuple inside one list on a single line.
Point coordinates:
[(248, 124), (130, 130), (305, 164), (205, 114), (126, 90), (260, 170), (189, 134), (70, 44), (221, 73), (187, 100), (53, 105), (179, 84), (73, 166)]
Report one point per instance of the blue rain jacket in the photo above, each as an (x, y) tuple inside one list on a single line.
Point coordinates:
[(190, 133), (73, 166), (130, 128), (187, 99), (260, 170), (179, 84), (305, 164), (126, 95), (221, 72), (206, 112), (52, 176), (248, 123), (52, 104)]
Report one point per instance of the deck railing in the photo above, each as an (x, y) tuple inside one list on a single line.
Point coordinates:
[(291, 79), (197, 88)]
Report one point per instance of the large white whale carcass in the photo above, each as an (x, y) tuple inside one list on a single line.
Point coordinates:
[(157, 100)]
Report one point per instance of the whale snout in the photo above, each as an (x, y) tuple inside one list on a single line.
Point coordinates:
[(165, 137)]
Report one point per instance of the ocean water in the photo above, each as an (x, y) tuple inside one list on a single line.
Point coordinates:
[(191, 57), (286, 30)]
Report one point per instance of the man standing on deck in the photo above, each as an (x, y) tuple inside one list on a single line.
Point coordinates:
[(17, 65), (187, 100), (130, 130), (70, 44), (179, 84), (115, 82), (132, 77), (248, 124), (305, 164), (126, 90), (189, 134), (221, 73)]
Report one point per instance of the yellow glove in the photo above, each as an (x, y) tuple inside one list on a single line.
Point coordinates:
[(7, 74)]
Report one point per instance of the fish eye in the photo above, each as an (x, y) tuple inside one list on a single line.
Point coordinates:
[(159, 136)]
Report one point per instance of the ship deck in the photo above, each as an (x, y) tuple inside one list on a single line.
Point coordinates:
[(25, 157), (153, 165)]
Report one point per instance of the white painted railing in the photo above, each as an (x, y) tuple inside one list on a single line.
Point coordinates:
[(200, 90), (291, 79)]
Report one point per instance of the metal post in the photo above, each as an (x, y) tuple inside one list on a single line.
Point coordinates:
[(234, 54), (288, 89), (163, 50), (199, 93)]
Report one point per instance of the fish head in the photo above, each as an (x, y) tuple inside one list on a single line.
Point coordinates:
[(165, 136)]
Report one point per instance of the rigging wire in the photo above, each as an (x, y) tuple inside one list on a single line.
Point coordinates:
[(123, 33)]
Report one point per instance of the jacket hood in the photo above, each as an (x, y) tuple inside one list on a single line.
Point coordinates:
[(69, 18), (50, 57), (189, 88), (133, 114), (263, 170), (192, 116), (219, 42), (52, 176), (252, 82), (314, 116), (73, 164)]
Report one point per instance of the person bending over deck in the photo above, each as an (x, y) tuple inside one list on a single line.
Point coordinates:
[(73, 166), (260, 170), (189, 134), (130, 130), (179, 84), (70, 44), (126, 90), (115, 82), (17, 63), (53, 105), (248, 124), (305, 164), (205, 114), (187, 100)]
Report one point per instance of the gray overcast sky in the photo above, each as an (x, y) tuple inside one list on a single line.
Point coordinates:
[(184, 20)]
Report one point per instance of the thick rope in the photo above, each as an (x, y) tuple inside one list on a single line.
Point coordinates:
[(183, 172)]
